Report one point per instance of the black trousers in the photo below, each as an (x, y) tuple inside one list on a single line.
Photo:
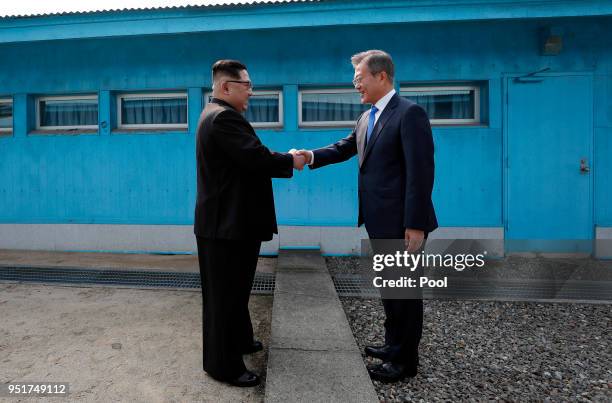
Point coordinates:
[(403, 316), (403, 329), (227, 269)]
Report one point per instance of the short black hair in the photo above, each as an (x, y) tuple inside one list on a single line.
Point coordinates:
[(228, 67)]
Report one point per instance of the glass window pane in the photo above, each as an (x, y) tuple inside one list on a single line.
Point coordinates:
[(444, 104), (331, 107), (263, 108), (6, 115), (154, 111), (73, 112)]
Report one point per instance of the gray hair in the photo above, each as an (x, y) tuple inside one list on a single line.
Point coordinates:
[(376, 60)]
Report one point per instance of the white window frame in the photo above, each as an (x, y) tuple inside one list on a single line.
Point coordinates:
[(261, 125), (64, 98), (337, 123), (207, 94), (149, 95), (475, 88), (8, 129), (280, 122)]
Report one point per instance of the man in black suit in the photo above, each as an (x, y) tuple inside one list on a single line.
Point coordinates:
[(234, 213), (395, 148)]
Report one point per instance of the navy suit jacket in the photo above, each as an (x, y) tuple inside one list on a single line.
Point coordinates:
[(396, 169)]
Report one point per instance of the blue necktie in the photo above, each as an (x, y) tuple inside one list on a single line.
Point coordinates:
[(373, 111)]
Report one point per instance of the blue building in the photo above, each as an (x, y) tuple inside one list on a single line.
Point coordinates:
[(98, 113)]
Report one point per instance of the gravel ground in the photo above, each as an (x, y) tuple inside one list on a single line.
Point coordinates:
[(343, 265), (509, 351)]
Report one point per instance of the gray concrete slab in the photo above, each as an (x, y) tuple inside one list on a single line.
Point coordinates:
[(315, 284), (313, 356), (310, 323), (301, 260), (116, 345), (317, 376)]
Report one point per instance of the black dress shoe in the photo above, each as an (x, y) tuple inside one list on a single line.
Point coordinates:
[(382, 352), (253, 347), (389, 372), (247, 379)]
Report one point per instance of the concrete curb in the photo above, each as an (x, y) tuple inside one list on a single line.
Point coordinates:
[(313, 356)]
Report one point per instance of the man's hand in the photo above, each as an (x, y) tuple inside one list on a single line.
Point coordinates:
[(306, 154), (298, 160), (413, 239)]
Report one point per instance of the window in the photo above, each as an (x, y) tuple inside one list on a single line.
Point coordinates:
[(265, 109), (6, 115), (152, 111), (447, 105), (329, 107), (67, 112)]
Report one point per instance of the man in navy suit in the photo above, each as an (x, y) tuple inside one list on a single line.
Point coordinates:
[(394, 144)]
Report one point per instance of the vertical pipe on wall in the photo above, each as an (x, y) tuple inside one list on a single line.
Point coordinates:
[(104, 113), (20, 115), (290, 107), (194, 105)]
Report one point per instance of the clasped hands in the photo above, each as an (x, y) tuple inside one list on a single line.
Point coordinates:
[(300, 158), (413, 238)]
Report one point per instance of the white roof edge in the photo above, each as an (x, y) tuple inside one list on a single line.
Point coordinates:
[(48, 9)]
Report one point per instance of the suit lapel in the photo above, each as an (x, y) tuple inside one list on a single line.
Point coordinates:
[(360, 130), (380, 124)]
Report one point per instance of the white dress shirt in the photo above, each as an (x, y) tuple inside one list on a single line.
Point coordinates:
[(381, 104)]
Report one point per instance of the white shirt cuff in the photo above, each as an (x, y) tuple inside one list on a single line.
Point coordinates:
[(311, 158)]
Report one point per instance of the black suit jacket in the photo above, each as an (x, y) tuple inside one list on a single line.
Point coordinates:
[(235, 199), (396, 169)]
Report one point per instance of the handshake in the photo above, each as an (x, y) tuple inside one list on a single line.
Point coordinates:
[(300, 158)]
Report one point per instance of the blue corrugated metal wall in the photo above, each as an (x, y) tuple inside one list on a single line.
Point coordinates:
[(150, 177)]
